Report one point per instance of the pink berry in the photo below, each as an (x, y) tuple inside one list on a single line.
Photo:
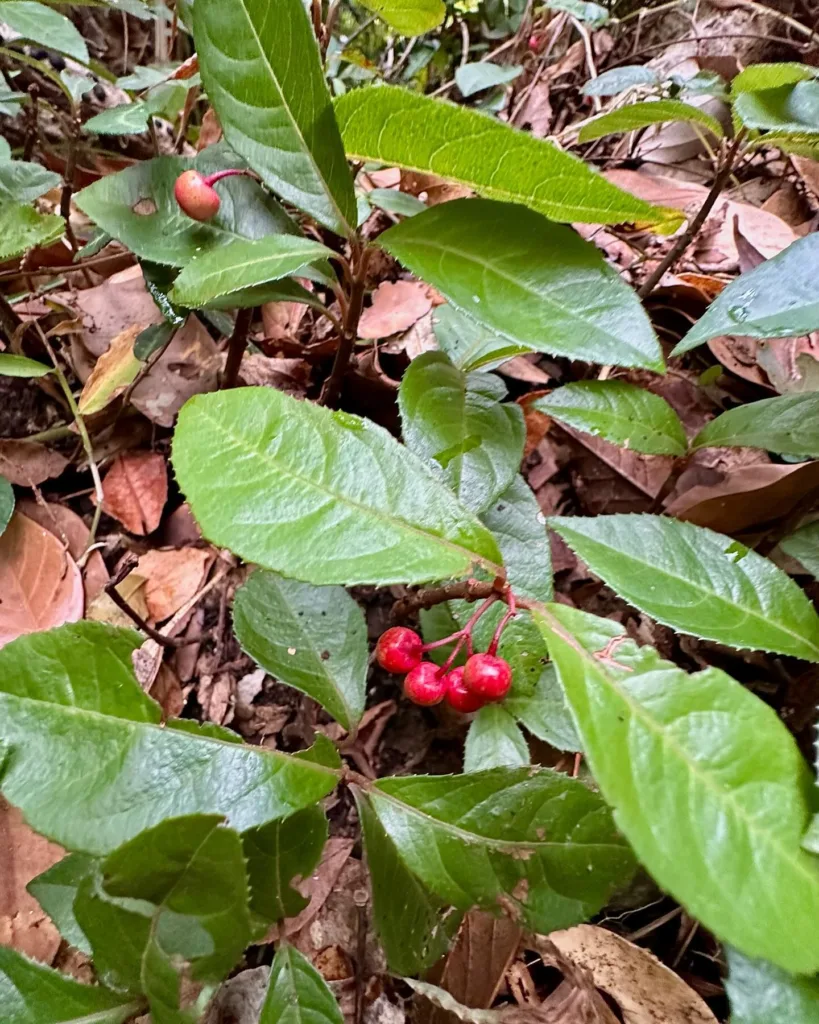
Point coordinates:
[(196, 197), (534, 42), (425, 684), (488, 677), (399, 649), (457, 695)]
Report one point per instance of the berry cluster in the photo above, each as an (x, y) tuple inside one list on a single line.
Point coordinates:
[(484, 679)]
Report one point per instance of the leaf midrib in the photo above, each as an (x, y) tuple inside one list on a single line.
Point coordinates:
[(366, 510), (699, 588), (195, 290)]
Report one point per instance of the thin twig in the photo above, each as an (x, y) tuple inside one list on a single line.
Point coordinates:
[(786, 19), (236, 348), (591, 67), (464, 590), (694, 226), (346, 342), (136, 618)]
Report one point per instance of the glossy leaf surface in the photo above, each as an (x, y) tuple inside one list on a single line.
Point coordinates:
[(23, 228), (619, 412), (480, 75), (494, 741), (616, 80), (722, 832), (803, 545), (297, 993), (470, 345), (538, 284), (696, 581), (312, 638), (401, 128), (459, 422), (777, 299), (472, 840), (760, 993), (323, 496), (409, 17), (791, 108), (76, 722), (519, 528), (21, 366), (788, 425), (22, 182), (264, 78), (242, 264), (56, 889), (543, 711), (641, 115), (43, 25)]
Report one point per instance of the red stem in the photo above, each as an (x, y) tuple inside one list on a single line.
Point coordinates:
[(211, 179), (493, 647)]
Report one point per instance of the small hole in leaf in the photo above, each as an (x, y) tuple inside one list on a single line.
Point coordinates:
[(144, 207)]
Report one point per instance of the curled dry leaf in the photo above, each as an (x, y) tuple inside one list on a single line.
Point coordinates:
[(114, 371), (172, 578), (73, 534), (40, 583), (27, 463), (646, 991), (395, 307), (135, 490)]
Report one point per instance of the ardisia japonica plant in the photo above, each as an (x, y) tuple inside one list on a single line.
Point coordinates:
[(183, 844)]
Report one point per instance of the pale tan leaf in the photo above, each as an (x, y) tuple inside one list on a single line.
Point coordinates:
[(135, 490), (395, 307), (40, 583), (646, 991), (114, 371), (172, 578), (27, 463), (74, 535)]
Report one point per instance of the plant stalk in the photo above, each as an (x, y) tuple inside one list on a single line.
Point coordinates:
[(332, 389), (236, 348)]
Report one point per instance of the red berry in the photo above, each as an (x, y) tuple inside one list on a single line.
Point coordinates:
[(196, 197), (487, 677), (425, 684), (399, 649), (457, 695), (534, 42)]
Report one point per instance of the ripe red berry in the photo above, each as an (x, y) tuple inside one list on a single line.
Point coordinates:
[(425, 684), (196, 197), (488, 677), (399, 649), (457, 695)]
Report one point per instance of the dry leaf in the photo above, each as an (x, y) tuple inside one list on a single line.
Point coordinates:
[(113, 372), (215, 696), (647, 473), (395, 307), (167, 691), (40, 584), (646, 991), (536, 114), (172, 578), (135, 490), (103, 608), (318, 886), (210, 131), (74, 535), (431, 189), (27, 463), (23, 855)]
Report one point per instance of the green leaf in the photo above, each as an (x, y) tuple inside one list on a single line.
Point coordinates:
[(23, 228), (788, 108), (393, 201), (760, 77), (242, 264), (470, 345), (6, 503), (538, 284), (519, 528), (407, 918), (787, 425), (494, 741), (803, 545), (297, 993), (40, 24), (312, 638), (129, 118), (617, 80), (460, 424), (696, 581), (33, 994), (641, 115), (474, 839), (480, 75), (593, 14), (706, 783), (777, 299), (21, 366), (263, 76), (56, 889), (544, 712), (137, 207), (89, 766), (320, 496), (763, 994), (409, 17), (401, 128), (619, 412), (280, 853), (22, 182)]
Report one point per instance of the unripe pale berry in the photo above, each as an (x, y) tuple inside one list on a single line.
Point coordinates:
[(457, 695), (487, 677), (196, 197), (399, 649), (425, 684)]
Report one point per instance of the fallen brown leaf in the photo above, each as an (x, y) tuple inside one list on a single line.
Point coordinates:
[(172, 578), (395, 307), (40, 583), (74, 535), (166, 690), (135, 490), (646, 991), (319, 885), (27, 463), (113, 372), (23, 855)]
